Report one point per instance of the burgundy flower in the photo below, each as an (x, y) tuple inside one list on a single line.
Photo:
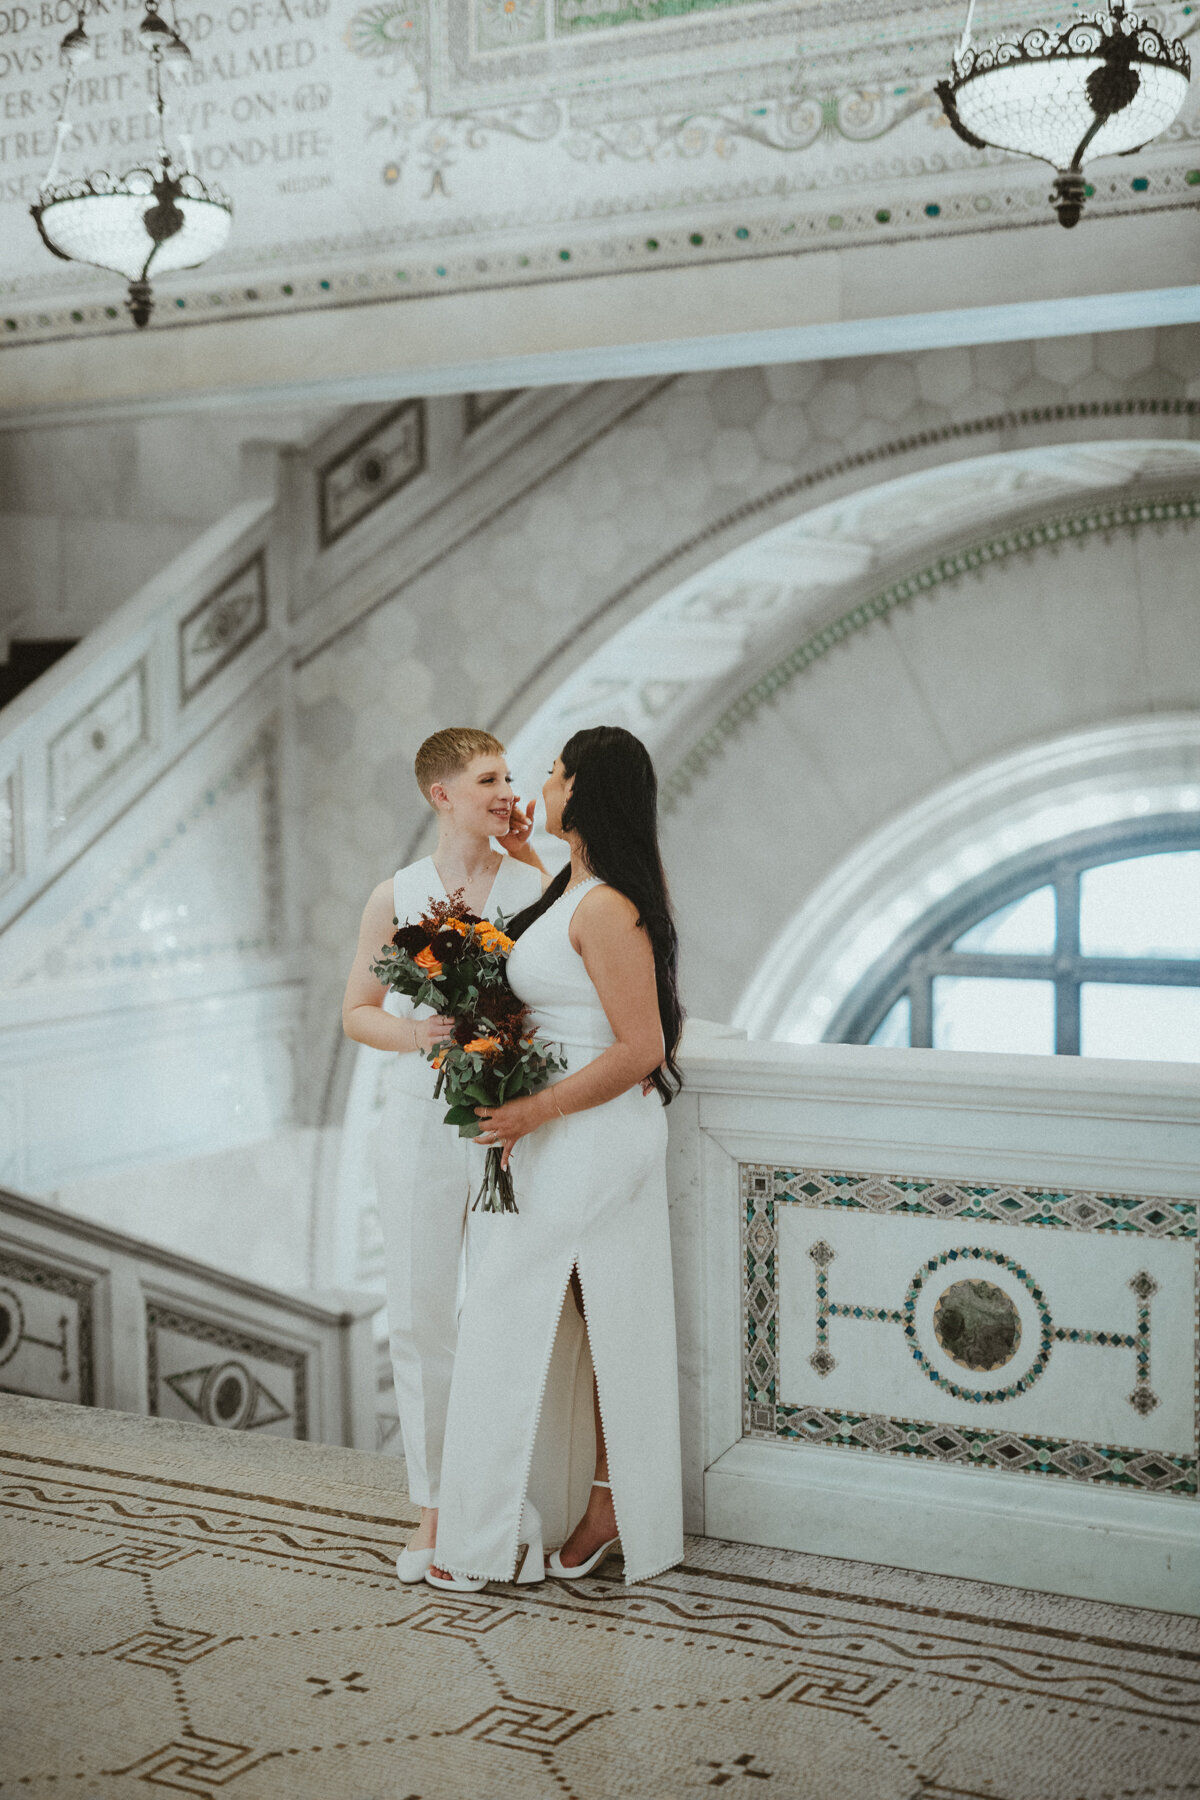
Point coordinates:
[(499, 1003), (411, 938)]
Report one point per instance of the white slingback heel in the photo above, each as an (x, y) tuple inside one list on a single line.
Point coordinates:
[(533, 1567), (574, 1571)]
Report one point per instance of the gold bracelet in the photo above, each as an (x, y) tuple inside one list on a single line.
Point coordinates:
[(558, 1109)]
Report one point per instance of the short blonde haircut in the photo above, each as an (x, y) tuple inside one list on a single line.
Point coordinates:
[(448, 753)]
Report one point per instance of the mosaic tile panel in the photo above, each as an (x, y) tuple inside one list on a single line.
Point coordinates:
[(224, 1619), (46, 1331), (370, 470), (89, 752), (930, 1197), (610, 15), (200, 1371), (992, 1316), (221, 626)]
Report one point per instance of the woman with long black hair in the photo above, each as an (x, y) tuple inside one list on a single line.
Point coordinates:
[(529, 1421)]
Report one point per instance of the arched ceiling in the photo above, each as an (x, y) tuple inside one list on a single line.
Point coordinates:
[(426, 190), (703, 656)]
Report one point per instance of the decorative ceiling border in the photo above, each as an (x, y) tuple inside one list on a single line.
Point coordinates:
[(574, 256), (1129, 515)]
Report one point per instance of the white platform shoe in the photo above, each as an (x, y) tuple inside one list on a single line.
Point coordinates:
[(532, 1568), (412, 1564), (575, 1571)]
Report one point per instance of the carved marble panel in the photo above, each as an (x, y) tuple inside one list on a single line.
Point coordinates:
[(370, 470), (10, 831), (1003, 1327), (202, 1371), (479, 408), (87, 754), (222, 625), (46, 1326)]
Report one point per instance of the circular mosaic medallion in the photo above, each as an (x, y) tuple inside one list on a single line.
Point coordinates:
[(227, 1397), (993, 1315), (977, 1325)]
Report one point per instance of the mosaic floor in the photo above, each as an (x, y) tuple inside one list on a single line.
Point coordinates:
[(204, 1613)]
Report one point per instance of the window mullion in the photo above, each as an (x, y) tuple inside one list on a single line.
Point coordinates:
[(1066, 963), (921, 1002)]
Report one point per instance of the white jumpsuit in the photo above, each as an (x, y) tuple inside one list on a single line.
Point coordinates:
[(423, 1176), (591, 1194)]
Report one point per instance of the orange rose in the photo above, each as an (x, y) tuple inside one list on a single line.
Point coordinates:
[(425, 959), (486, 1046)]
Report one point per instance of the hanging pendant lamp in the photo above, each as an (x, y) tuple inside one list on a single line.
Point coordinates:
[(1105, 85), (147, 221)]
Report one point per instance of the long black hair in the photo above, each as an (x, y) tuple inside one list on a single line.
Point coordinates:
[(614, 808)]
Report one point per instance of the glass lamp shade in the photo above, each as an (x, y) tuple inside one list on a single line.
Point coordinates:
[(146, 222), (125, 223), (1105, 85)]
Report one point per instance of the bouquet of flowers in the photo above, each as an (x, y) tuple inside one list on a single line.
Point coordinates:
[(454, 961)]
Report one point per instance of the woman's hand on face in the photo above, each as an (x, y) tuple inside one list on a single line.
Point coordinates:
[(508, 1123), (432, 1031), (520, 824)]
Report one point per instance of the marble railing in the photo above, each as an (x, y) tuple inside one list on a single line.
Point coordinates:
[(940, 1311), (94, 1317), (80, 746)]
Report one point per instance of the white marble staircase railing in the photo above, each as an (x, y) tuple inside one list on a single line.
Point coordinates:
[(940, 1310), (91, 1316), (86, 740)]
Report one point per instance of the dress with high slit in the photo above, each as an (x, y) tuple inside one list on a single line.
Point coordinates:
[(591, 1195)]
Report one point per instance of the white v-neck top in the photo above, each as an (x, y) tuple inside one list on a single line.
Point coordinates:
[(516, 886)]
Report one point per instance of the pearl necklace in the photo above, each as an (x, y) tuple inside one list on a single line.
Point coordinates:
[(572, 885)]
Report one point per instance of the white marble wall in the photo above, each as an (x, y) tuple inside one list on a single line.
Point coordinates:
[(151, 994), (487, 622), (1024, 652), (89, 512), (486, 582), (246, 1207)]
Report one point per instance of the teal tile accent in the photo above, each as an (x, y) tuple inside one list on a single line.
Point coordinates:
[(766, 1188)]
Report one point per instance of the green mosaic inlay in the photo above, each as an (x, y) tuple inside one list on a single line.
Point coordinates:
[(1064, 1209), (966, 1254), (922, 1440), (765, 1188), (571, 17)]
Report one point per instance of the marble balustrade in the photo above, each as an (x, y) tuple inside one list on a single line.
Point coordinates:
[(94, 1317), (940, 1311)]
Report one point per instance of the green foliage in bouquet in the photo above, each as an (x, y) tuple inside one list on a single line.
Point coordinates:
[(502, 1064), (454, 961)]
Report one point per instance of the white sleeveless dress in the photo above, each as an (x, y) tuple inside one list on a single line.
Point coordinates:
[(423, 1176), (591, 1192)]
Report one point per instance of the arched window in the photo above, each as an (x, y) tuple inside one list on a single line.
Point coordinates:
[(1090, 950)]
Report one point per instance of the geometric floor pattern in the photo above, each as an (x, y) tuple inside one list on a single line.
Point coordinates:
[(191, 1611)]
